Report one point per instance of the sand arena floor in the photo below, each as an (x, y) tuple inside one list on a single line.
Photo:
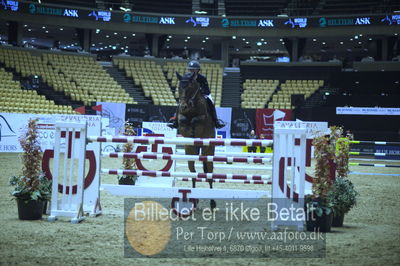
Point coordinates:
[(371, 235)]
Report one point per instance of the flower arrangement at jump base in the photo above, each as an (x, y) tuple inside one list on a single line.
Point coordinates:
[(32, 188), (127, 163), (318, 205), (343, 195)]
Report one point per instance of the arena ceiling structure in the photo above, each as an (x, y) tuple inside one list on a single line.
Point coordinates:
[(216, 29)]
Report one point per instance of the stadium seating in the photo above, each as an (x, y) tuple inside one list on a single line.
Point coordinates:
[(159, 82), (79, 77), (93, 83), (282, 98), (257, 92), (13, 99)]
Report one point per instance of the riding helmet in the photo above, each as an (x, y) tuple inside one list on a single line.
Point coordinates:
[(193, 65)]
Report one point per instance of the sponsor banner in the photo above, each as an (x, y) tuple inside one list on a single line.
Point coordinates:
[(115, 112), (265, 119), (12, 125), (392, 151), (243, 121), (225, 114), (138, 113), (367, 111)]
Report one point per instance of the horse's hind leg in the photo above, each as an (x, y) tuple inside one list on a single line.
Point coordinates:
[(208, 167)]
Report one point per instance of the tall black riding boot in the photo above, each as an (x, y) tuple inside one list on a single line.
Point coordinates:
[(218, 123)]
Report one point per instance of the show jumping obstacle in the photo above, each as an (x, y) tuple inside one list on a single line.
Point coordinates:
[(288, 175), (384, 143)]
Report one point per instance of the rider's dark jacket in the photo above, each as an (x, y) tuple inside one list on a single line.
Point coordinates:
[(202, 80)]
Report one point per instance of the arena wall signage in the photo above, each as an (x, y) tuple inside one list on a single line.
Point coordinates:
[(11, 5), (367, 111), (200, 22)]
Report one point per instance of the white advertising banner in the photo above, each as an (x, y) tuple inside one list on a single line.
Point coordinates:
[(12, 125), (367, 111)]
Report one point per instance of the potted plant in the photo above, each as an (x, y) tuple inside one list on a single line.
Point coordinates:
[(343, 195), (127, 163), (318, 205), (32, 188)]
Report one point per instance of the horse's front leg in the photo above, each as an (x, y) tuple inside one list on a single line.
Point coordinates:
[(208, 167), (191, 150)]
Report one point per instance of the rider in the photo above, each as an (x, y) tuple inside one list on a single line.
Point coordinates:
[(194, 67)]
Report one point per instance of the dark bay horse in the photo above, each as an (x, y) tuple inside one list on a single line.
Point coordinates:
[(195, 121)]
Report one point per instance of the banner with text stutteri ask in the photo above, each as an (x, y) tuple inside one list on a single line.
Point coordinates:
[(13, 125)]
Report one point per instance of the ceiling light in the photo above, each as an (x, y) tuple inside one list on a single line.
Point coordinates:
[(262, 40), (237, 49), (167, 40), (323, 43), (370, 39), (25, 26), (204, 41), (107, 36), (247, 42), (341, 42), (93, 44), (351, 39), (185, 47), (61, 29), (167, 46), (359, 42), (115, 33), (314, 40), (281, 40), (234, 37), (43, 27), (395, 34), (356, 37), (188, 37), (125, 37), (133, 34), (360, 35), (170, 36), (47, 31), (202, 48), (186, 40), (97, 30), (259, 43), (243, 39), (207, 38), (29, 29)]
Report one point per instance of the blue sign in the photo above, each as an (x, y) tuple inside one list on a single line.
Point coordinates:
[(71, 13), (392, 19), (301, 22), (167, 20), (102, 15), (12, 5), (266, 23), (202, 21)]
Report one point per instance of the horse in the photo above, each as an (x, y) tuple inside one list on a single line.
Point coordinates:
[(195, 121)]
